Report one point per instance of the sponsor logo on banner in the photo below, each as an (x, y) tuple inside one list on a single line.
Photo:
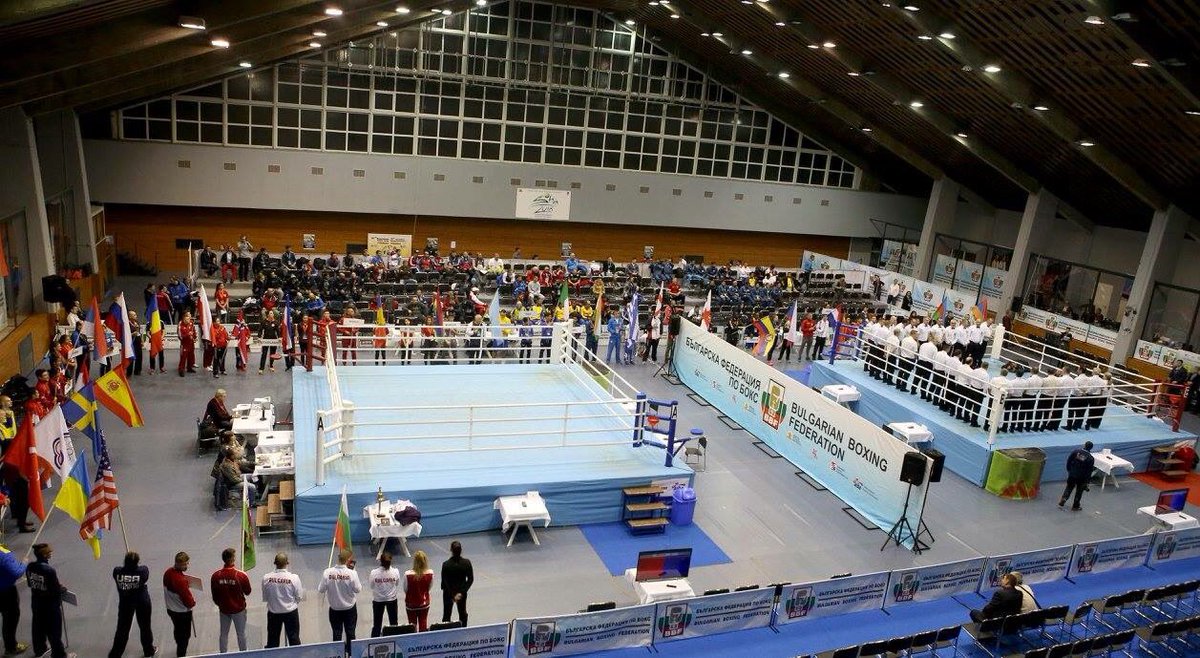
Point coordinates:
[(927, 296), (490, 641), (1147, 351), (543, 204), (581, 633), (827, 598), (959, 305), (385, 242), (542, 637), (773, 406), (382, 649), (674, 620), (709, 615), (1176, 545), (1041, 566), (799, 602), (1051, 321), (906, 589), (1086, 560)]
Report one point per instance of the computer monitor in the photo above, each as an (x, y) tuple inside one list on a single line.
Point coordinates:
[(663, 565), (1171, 500)]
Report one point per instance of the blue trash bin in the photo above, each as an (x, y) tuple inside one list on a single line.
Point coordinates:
[(683, 506)]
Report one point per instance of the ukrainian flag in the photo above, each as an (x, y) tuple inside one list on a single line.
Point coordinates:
[(73, 496)]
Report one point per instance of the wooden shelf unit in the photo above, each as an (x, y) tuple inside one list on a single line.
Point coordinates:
[(642, 511)]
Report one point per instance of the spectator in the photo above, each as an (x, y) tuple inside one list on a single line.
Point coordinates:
[(243, 258), (230, 586), (417, 582), (341, 586), (178, 595), (282, 592), (208, 261), (385, 592), (1006, 600), (133, 600)]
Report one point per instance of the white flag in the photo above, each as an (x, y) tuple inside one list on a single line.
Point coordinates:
[(205, 315), (52, 437), (706, 313), (791, 334), (126, 330)]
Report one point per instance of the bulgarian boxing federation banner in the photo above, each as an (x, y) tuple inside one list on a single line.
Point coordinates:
[(926, 297), (583, 633), (470, 642), (1042, 566), (994, 280), (1108, 555), (323, 650), (709, 615), (968, 277), (829, 598), (943, 270), (847, 454), (1175, 545), (934, 582)]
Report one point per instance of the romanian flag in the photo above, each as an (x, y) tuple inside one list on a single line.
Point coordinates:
[(154, 327), (249, 552), (766, 335), (979, 311), (112, 390), (939, 312), (22, 453), (341, 531)]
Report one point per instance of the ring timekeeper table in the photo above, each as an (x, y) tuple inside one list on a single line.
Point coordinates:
[(1168, 521), (253, 419), (522, 511), (841, 393), (384, 525), (1106, 463), (654, 591)]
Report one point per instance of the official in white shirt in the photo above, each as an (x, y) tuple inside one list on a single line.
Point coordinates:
[(385, 593), (1077, 405), (922, 332), (892, 359), (866, 337), (999, 393), (975, 342), (978, 381), (908, 359), (957, 371), (282, 592), (1036, 404), (1016, 393), (1063, 386), (1099, 388), (340, 584), (925, 355)]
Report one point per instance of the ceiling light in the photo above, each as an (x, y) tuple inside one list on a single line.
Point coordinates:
[(318, 33), (866, 130), (1094, 20), (447, 12), (854, 74), (1085, 143), (653, 3), (785, 75), (705, 34), (912, 8), (780, 24), (746, 51), (314, 44), (916, 105), (813, 46), (245, 65), (948, 35), (992, 68), (1040, 108), (924, 37), (381, 23), (333, 11), (1195, 113), (220, 43), (480, 3), (829, 44), (191, 22), (718, 34), (747, 2), (674, 15), (960, 135), (403, 10), (630, 21), (1142, 63)]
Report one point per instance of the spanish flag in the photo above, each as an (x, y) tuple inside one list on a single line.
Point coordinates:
[(112, 390)]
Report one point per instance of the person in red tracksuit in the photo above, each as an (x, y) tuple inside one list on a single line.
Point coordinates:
[(417, 582), (230, 586), (178, 595), (220, 342), (187, 344)]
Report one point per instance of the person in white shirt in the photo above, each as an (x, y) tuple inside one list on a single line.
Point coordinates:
[(977, 409), (892, 358), (1046, 399), (975, 342), (820, 335), (894, 294), (282, 592), (495, 265), (935, 334), (867, 349), (922, 332), (385, 593), (1077, 405), (340, 584), (908, 357), (1099, 391), (938, 392), (962, 386), (1034, 411), (925, 354), (960, 339), (1063, 387)]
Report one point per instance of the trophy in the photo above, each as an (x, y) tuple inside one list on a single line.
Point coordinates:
[(379, 501)]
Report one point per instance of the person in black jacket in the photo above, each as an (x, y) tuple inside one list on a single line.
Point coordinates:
[(133, 600), (1079, 470), (1005, 601), (11, 571), (457, 576), (45, 594)]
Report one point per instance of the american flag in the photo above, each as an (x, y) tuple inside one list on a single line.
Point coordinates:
[(103, 499)]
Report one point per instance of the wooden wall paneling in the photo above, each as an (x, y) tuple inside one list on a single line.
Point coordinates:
[(151, 231), (39, 327)]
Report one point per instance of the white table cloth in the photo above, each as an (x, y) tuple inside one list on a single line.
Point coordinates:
[(250, 419), (1169, 521), (1106, 463), (276, 462), (911, 432), (384, 525), (841, 393), (276, 442), (654, 591), (522, 511)]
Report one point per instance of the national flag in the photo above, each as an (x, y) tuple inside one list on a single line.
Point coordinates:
[(79, 410), (285, 328), (437, 311), (979, 311), (658, 305), (598, 314), (52, 440), (3, 261), (249, 558), (242, 333), (494, 310), (72, 497), (341, 531), (22, 454), (706, 313), (379, 318), (834, 316), (939, 312), (154, 326), (766, 335), (205, 312), (791, 319), (631, 313), (103, 499), (563, 301), (112, 390), (118, 321), (83, 364), (93, 327)]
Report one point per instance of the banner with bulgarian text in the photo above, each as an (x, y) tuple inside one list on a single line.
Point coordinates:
[(829, 598), (385, 242), (1110, 554), (847, 454), (1042, 566), (1100, 337), (968, 277), (583, 633), (709, 615), (323, 650), (943, 270), (1148, 352), (470, 642), (958, 303), (926, 297), (1175, 545), (821, 262), (994, 280), (933, 582)]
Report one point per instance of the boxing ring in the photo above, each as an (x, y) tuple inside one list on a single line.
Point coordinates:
[(453, 438)]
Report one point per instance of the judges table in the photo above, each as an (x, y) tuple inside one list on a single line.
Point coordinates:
[(655, 591), (1106, 463), (1168, 521), (841, 393), (384, 525), (522, 511), (911, 432), (253, 419)]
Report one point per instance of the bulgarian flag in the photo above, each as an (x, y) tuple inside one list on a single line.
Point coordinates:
[(341, 531), (249, 551)]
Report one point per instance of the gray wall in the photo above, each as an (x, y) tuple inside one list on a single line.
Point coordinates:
[(149, 173), (21, 191)]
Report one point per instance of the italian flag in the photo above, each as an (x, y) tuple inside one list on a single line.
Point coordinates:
[(341, 531)]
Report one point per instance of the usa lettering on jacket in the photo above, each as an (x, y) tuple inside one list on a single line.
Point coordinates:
[(128, 582)]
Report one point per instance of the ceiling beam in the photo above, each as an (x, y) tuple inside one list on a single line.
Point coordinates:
[(818, 96), (272, 39), (1017, 89), (15, 11)]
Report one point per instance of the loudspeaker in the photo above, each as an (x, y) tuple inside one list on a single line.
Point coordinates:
[(55, 290), (912, 470), (675, 320), (939, 461), (1017, 304)]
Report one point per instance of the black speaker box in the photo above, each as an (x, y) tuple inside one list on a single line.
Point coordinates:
[(56, 290), (939, 462), (1017, 304), (912, 469), (675, 320)]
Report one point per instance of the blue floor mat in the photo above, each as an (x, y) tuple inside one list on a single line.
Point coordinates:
[(619, 550)]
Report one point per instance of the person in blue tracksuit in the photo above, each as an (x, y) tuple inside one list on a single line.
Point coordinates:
[(614, 338)]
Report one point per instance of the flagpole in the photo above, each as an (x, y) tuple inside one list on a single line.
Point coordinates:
[(333, 544), (121, 520), (39, 533), (242, 530)]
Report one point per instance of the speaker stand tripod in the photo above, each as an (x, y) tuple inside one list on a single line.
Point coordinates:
[(903, 529), (667, 369)]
